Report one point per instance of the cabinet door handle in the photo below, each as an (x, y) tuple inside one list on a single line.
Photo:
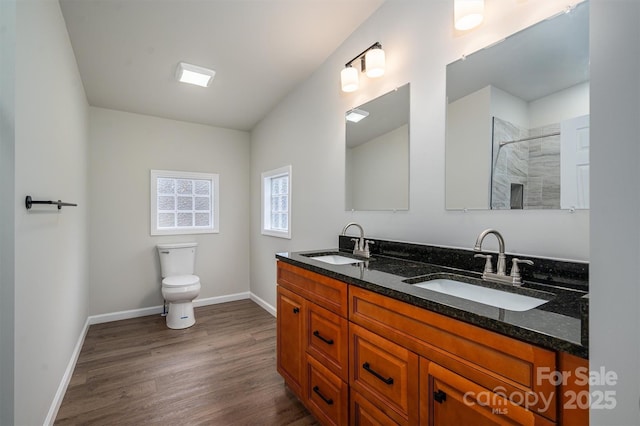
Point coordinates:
[(387, 380), (319, 336), (440, 396), (296, 310), (329, 401)]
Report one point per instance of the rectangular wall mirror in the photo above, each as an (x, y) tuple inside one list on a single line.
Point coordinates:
[(377, 153), (517, 131)]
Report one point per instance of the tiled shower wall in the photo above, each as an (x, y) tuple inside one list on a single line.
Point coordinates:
[(533, 164)]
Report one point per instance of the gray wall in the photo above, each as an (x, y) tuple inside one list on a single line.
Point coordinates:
[(51, 124), (307, 130), (419, 42), (124, 265), (615, 205), (7, 221), (51, 261)]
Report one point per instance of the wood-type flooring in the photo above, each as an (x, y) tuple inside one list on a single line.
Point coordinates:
[(221, 371)]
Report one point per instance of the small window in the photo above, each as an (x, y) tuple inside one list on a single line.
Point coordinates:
[(276, 202), (183, 202)]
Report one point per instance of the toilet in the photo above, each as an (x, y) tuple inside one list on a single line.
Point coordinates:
[(179, 285)]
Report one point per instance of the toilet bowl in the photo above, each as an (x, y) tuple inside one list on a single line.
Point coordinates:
[(179, 285)]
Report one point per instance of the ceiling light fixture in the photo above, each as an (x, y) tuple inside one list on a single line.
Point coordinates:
[(356, 115), (193, 74), (372, 62), (467, 14)]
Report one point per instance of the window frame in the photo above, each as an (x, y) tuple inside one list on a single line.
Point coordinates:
[(174, 174), (266, 210)]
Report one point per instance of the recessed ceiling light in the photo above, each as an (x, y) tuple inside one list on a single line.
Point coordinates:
[(356, 115), (193, 74)]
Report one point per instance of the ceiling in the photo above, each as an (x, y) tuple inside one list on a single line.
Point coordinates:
[(127, 52), (545, 58), (386, 113)]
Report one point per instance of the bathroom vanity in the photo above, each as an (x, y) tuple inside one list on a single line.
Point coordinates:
[(360, 343)]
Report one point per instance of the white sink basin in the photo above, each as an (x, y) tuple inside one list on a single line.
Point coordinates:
[(487, 296), (336, 259)]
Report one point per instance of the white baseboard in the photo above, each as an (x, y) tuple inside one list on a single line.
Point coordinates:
[(121, 315), (66, 378), (153, 310), (264, 305), (133, 313), (221, 299)]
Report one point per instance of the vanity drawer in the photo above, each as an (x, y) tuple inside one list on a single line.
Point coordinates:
[(385, 374), (364, 413), (327, 396), (484, 357), (324, 291), (328, 340)]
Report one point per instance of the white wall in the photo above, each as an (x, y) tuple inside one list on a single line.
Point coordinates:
[(51, 260), (510, 108), (307, 131), (468, 133), (379, 172), (124, 265), (615, 205), (7, 221), (563, 105)]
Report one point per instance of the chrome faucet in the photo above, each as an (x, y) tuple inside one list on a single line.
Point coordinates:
[(361, 246), (500, 275), (501, 257)]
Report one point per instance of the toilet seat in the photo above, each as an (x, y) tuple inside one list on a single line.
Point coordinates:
[(180, 281)]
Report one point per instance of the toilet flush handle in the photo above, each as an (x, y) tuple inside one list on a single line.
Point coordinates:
[(164, 252)]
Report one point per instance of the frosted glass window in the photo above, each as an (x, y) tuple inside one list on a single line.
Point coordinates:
[(166, 220), (203, 187), (202, 203), (184, 186), (202, 219), (276, 202), (166, 202), (166, 186), (183, 202)]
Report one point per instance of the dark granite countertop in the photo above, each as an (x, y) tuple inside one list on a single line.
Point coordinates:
[(559, 324)]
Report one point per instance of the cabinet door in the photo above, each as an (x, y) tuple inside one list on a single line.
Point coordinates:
[(454, 400), (574, 391), (384, 373), (327, 339), (290, 332), (326, 396)]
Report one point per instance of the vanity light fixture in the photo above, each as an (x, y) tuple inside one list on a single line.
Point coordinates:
[(193, 74), (467, 14), (372, 62), (356, 115)]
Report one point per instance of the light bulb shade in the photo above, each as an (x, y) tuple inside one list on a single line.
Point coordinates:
[(349, 79), (374, 62), (467, 14)]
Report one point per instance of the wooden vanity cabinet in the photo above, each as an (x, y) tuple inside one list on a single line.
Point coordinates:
[(488, 359), (450, 399), (574, 390), (384, 373), (313, 349), (290, 333), (356, 356)]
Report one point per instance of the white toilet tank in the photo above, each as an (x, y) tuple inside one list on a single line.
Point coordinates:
[(177, 259)]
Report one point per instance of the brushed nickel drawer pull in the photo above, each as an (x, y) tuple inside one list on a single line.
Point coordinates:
[(387, 380), (319, 336), (329, 401)]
